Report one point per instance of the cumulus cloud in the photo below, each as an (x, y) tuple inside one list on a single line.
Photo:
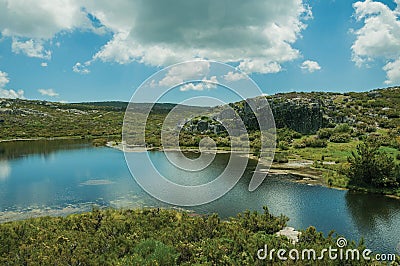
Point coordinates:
[(310, 66), (43, 64), (3, 79), (200, 86), (40, 19), (379, 37), (258, 65), (258, 35), (185, 72), (234, 76), (33, 24), (393, 72), (4, 93), (30, 48), (48, 92), (12, 94), (81, 68)]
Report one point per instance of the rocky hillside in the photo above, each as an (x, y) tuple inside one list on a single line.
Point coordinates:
[(307, 112), (302, 112)]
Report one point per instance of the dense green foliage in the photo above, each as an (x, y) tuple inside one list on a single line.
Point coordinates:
[(153, 237), (369, 166)]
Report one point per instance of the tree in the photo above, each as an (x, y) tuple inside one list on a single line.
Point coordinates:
[(371, 167)]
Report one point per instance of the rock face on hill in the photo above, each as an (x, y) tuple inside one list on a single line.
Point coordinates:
[(305, 118), (302, 115)]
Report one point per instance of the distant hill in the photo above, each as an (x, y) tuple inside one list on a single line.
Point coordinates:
[(120, 105), (300, 111), (114, 104)]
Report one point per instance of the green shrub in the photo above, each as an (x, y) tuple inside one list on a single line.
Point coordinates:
[(340, 138), (152, 252), (283, 145), (298, 144), (343, 128), (371, 167), (314, 142), (325, 133), (281, 157)]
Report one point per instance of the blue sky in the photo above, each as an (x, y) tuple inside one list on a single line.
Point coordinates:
[(84, 51)]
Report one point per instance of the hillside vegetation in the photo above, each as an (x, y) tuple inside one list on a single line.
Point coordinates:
[(157, 237)]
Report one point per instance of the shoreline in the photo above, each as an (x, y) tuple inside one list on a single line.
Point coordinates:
[(301, 170)]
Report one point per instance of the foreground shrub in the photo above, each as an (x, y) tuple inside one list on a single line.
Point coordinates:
[(154, 237), (340, 138)]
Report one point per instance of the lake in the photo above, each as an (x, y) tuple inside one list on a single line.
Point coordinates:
[(71, 176)]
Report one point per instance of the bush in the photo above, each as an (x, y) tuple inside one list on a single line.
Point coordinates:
[(324, 133), (281, 157), (152, 252), (371, 167), (340, 138), (287, 134), (314, 142), (343, 128), (283, 145), (298, 144)]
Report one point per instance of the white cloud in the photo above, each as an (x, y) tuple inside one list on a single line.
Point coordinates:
[(393, 72), (48, 92), (260, 66), (205, 84), (41, 19), (379, 37), (310, 66), (234, 76), (185, 72), (30, 48), (43, 64), (3, 79), (258, 34), (12, 94), (81, 68), (38, 22), (8, 93)]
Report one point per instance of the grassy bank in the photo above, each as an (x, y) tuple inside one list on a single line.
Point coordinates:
[(155, 237)]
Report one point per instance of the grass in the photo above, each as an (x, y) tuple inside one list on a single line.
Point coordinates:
[(334, 152)]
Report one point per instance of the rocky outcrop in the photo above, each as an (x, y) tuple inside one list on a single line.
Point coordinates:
[(302, 117), (298, 114)]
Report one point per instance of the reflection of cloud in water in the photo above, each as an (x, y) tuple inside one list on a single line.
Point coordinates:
[(5, 170), (97, 182)]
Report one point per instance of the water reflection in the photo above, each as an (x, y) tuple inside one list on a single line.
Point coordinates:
[(369, 210), (377, 218), (16, 149), (5, 170)]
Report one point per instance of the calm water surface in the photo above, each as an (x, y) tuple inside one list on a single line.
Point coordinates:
[(61, 177)]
